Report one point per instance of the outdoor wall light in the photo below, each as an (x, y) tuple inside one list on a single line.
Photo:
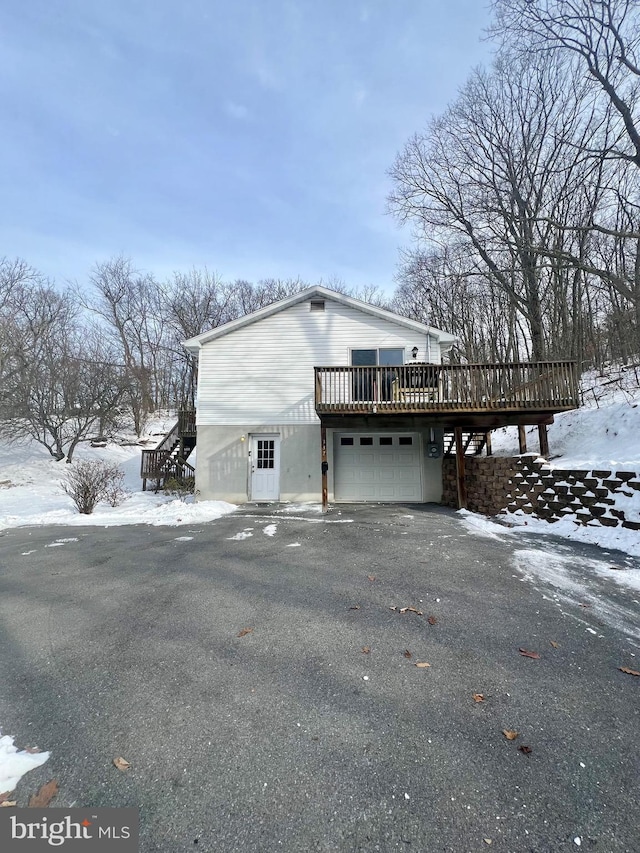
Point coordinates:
[(414, 352)]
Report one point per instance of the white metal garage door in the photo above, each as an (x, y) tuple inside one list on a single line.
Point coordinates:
[(374, 466)]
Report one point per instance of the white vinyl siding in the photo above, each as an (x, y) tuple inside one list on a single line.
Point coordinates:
[(263, 372)]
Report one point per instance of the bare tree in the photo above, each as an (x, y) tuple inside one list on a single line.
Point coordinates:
[(129, 303), (446, 289), (600, 40), (60, 383), (602, 36), (490, 172)]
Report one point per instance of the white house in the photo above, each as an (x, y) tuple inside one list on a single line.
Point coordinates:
[(260, 379)]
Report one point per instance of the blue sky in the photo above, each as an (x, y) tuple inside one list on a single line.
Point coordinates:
[(250, 137)]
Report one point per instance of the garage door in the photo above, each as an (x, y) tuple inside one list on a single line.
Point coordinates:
[(377, 466)]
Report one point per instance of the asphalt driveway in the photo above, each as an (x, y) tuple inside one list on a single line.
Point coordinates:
[(126, 642)]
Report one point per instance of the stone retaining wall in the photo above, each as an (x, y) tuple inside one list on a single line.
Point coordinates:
[(496, 484)]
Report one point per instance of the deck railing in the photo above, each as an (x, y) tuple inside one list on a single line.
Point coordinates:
[(159, 464), (413, 388), (186, 422)]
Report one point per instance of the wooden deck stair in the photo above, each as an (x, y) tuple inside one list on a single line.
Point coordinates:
[(473, 442), (169, 459)]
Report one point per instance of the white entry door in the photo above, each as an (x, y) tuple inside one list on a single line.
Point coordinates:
[(265, 468)]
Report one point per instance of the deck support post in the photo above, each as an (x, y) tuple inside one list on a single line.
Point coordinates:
[(325, 467), (487, 443), (522, 438), (462, 484), (544, 440)]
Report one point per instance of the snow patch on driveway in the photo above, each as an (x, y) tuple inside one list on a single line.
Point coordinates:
[(15, 763), (577, 584), (480, 525), (243, 534)]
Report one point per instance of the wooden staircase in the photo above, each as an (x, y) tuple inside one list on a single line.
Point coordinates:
[(168, 461), (473, 442)]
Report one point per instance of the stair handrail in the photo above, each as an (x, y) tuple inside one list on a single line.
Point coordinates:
[(170, 438)]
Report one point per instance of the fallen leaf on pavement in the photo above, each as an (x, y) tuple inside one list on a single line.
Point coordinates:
[(366, 650), (422, 664), (527, 654), (554, 644), (432, 620), (478, 697), (407, 653), (411, 610), (244, 632), (510, 734), (526, 749), (44, 796), (121, 763), (355, 607), (628, 671), (371, 578)]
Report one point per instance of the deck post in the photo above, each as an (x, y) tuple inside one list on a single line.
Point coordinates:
[(544, 440), (522, 439), (325, 467), (462, 485), (487, 443)]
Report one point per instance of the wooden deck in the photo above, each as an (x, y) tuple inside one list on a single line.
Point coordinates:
[(450, 390)]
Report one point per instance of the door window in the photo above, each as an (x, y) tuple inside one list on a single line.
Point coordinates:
[(266, 453)]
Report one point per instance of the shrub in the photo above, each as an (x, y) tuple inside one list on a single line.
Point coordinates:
[(116, 492), (89, 482), (180, 486)]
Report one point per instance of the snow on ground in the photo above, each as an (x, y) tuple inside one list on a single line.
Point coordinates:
[(14, 763), (298, 507), (31, 491)]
